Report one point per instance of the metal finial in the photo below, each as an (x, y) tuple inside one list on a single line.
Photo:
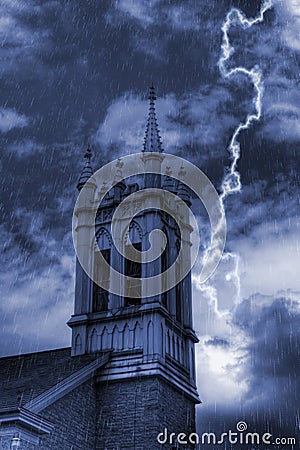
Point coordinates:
[(88, 153)]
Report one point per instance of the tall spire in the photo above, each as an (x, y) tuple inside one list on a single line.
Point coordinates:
[(87, 170), (152, 142)]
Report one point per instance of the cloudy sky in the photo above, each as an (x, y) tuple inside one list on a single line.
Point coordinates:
[(75, 73)]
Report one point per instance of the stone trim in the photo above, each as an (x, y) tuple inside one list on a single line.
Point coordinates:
[(28, 424), (122, 369)]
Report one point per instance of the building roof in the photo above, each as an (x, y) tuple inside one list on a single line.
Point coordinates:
[(27, 376)]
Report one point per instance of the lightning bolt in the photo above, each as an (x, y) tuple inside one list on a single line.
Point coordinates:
[(210, 292), (232, 180)]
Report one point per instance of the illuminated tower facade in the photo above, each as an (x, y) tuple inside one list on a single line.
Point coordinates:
[(148, 384)]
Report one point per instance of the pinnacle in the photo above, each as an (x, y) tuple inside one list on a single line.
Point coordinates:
[(152, 142), (87, 170)]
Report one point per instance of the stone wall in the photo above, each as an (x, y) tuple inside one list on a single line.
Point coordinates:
[(130, 414), (123, 415), (74, 419)]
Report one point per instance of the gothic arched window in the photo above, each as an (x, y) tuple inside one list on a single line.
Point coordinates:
[(100, 294), (164, 267), (133, 269), (178, 287)]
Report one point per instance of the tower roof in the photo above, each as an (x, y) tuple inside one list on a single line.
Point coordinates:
[(87, 170), (152, 141)]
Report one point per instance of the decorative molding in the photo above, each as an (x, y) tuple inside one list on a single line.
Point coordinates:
[(132, 312), (29, 425), (128, 368)]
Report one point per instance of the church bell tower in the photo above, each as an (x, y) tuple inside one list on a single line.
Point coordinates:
[(148, 384)]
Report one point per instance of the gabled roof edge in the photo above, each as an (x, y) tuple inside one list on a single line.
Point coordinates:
[(27, 419), (65, 386)]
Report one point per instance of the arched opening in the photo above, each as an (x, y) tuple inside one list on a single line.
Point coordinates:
[(78, 344), (164, 267), (100, 293), (178, 287), (133, 269), (94, 341)]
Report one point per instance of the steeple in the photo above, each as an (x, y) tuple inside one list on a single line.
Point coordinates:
[(148, 335), (87, 170), (152, 142)]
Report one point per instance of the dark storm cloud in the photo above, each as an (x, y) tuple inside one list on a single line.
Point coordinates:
[(267, 202), (272, 325), (270, 367), (216, 341), (185, 122)]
